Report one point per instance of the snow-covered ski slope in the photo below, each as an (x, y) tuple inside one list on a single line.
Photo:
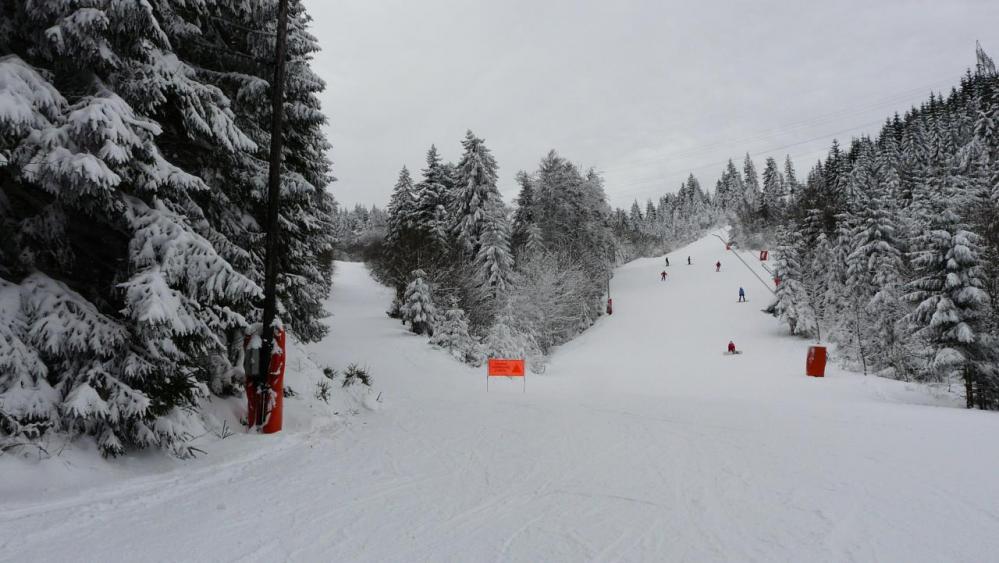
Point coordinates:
[(640, 442)]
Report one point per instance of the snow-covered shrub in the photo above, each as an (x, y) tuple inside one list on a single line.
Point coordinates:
[(507, 339), (451, 334), (354, 375), (323, 390), (551, 297)]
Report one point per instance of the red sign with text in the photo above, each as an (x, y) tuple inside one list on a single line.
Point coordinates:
[(506, 368)]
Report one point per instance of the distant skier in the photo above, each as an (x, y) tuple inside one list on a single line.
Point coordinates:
[(667, 261), (731, 347), (664, 275), (718, 266), (688, 260), (742, 295)]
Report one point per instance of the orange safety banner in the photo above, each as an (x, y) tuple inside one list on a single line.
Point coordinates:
[(506, 368)]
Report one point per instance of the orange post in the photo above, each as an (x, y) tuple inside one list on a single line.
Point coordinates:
[(815, 365), (275, 382)]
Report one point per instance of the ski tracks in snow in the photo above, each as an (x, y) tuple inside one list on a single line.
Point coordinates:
[(641, 442)]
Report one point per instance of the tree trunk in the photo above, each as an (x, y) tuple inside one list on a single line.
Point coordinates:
[(969, 389)]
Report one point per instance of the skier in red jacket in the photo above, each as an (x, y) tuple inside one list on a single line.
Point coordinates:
[(664, 275), (731, 347)]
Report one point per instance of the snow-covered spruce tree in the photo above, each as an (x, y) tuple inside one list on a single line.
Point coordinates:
[(494, 262), (475, 193), (774, 193), (125, 375), (948, 295), (231, 49), (400, 252), (752, 195), (793, 302), (128, 202), (402, 207), (523, 217), (418, 305), (432, 199), (452, 334), (876, 270), (791, 181)]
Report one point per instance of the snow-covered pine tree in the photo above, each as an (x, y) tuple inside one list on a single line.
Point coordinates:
[(402, 250), (475, 192), (773, 193), (431, 214), (494, 261), (523, 217), (232, 48), (791, 180), (751, 183), (793, 302), (127, 204), (876, 270), (402, 208), (418, 305), (948, 294)]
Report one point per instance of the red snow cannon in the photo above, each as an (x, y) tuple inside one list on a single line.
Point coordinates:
[(815, 364), (273, 409), (610, 306)]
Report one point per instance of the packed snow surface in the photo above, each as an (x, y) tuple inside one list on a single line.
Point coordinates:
[(641, 441)]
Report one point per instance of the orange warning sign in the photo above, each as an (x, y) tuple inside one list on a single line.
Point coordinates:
[(506, 368)]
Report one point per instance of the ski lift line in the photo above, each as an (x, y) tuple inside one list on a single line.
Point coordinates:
[(709, 148), (806, 141), (748, 267), (765, 267), (815, 120), (646, 184), (821, 119)]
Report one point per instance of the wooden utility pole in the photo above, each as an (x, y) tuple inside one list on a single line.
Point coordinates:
[(273, 204)]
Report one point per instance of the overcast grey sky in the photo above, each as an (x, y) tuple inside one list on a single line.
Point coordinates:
[(645, 91)]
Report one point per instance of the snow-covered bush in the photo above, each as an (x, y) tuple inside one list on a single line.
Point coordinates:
[(552, 297), (451, 334), (507, 338)]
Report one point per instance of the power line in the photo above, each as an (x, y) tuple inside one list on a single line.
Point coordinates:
[(650, 183), (889, 101)]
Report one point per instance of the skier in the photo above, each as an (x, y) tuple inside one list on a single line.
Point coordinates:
[(688, 260), (718, 266), (731, 347), (664, 275), (742, 295), (667, 261)]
